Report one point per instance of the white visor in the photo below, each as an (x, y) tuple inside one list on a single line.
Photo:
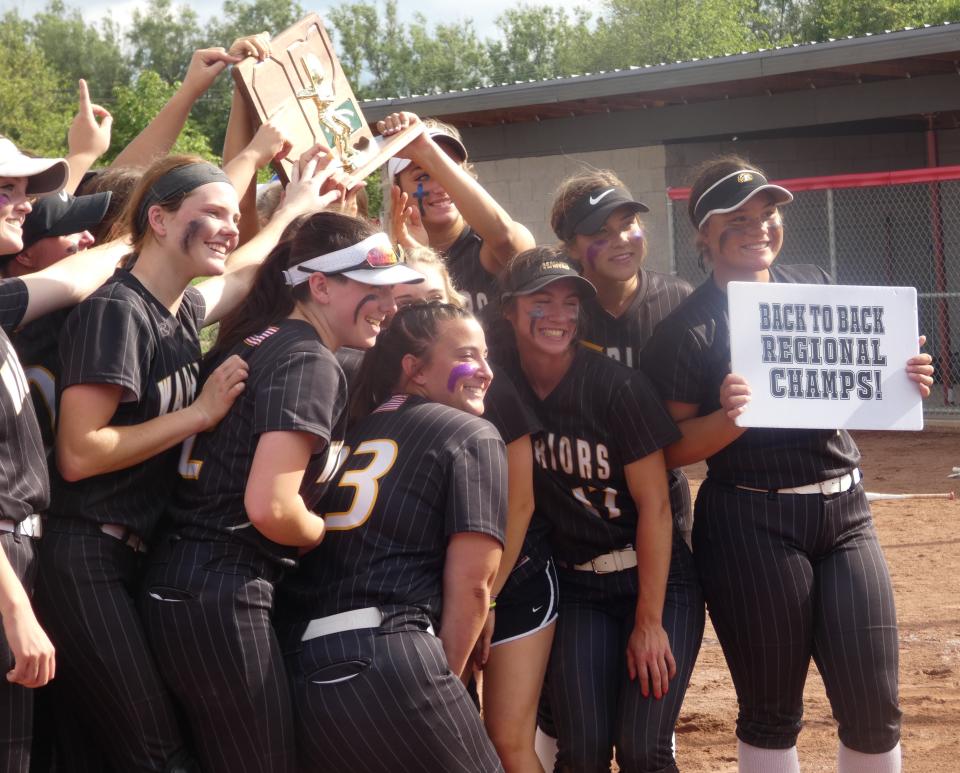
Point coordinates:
[(372, 261)]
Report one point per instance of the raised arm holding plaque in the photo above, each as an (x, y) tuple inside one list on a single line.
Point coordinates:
[(303, 77)]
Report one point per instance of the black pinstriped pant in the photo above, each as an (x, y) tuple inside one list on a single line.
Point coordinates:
[(370, 700), (105, 670), (793, 575), (16, 702), (595, 705), (206, 608)]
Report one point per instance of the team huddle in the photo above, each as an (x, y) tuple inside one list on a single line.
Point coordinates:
[(419, 507)]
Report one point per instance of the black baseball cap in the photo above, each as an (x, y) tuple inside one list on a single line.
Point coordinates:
[(591, 210), (62, 214), (733, 191), (537, 274)]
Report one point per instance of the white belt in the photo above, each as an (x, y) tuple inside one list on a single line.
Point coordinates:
[(368, 617), (614, 561), (124, 535), (824, 487), (31, 526)]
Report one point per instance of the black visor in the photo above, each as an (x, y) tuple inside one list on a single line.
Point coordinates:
[(538, 274), (591, 211), (732, 192)]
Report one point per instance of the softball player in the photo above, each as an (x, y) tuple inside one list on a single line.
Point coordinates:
[(26, 654), (459, 218), (601, 486), (415, 523), (243, 506), (783, 538), (598, 222), (515, 643), (126, 399)]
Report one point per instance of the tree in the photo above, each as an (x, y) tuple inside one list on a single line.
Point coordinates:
[(77, 50), (136, 105), (37, 106), (538, 42), (163, 41), (636, 32)]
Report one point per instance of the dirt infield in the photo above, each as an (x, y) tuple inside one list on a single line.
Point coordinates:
[(923, 550)]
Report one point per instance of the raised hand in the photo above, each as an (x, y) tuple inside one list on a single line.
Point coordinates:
[(89, 136)]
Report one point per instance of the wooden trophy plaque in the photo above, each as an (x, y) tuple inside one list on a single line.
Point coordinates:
[(303, 77)]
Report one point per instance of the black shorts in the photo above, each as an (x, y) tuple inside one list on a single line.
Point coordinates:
[(530, 606)]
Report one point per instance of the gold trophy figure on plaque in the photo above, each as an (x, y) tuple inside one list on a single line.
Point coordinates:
[(338, 127)]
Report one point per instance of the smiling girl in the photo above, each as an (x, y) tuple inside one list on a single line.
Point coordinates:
[(783, 536), (601, 492), (415, 523), (460, 219), (599, 224), (130, 361)]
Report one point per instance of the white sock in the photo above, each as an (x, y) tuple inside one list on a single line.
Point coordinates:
[(849, 761), (753, 759), (546, 747)]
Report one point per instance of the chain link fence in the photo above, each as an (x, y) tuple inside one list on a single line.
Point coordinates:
[(900, 228)]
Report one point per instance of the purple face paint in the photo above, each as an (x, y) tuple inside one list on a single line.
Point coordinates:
[(189, 234), (636, 236), (594, 250), (460, 372), (535, 313), (363, 302)]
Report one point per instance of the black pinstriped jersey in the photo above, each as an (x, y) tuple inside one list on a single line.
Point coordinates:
[(600, 417), (622, 338), (38, 346), (688, 358), (504, 409), (295, 385), (467, 272), (122, 335), (350, 360), (24, 485), (417, 473)]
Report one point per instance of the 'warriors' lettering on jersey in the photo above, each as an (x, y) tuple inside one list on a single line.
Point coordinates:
[(177, 390), (572, 456), (601, 417)]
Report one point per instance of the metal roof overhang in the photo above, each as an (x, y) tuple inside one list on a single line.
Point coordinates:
[(896, 75)]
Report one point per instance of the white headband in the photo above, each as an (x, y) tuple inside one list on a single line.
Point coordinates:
[(376, 250)]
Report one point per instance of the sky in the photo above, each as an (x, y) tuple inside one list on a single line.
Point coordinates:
[(483, 14)]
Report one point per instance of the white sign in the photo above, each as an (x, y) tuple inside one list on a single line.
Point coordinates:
[(825, 356)]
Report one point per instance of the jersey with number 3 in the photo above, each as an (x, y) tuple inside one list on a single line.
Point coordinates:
[(600, 417), (417, 473), (24, 485), (294, 385)]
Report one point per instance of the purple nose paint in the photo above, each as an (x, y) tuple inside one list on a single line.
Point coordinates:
[(460, 372)]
